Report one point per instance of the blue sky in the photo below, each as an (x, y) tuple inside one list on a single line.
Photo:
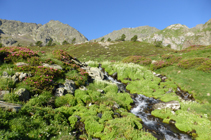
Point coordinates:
[(96, 18)]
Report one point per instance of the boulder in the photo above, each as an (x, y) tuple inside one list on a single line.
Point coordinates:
[(60, 92), (69, 85), (95, 73), (54, 66), (173, 105), (15, 78), (23, 94), (21, 64), (10, 106)]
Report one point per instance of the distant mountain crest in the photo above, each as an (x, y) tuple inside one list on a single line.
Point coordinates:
[(13, 32)]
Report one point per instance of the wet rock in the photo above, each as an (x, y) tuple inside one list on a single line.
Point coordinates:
[(82, 88), (60, 92), (170, 90), (23, 94), (53, 66), (69, 85), (95, 73), (3, 92), (174, 105), (121, 88), (114, 75), (10, 106), (21, 64), (99, 115)]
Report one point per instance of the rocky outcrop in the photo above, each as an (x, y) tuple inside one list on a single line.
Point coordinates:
[(23, 93), (16, 32), (95, 73), (10, 106), (180, 36)]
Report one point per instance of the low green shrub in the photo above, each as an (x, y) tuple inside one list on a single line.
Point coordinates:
[(205, 66), (137, 60), (67, 99), (192, 62)]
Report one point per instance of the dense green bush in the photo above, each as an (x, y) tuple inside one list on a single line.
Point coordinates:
[(108, 39), (65, 42), (134, 38), (158, 44), (38, 43), (102, 39)]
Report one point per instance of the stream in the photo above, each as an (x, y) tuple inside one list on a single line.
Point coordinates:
[(142, 108)]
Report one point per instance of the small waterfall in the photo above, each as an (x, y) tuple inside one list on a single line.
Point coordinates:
[(143, 108)]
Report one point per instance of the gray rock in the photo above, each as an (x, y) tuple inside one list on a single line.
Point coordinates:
[(10, 106), (54, 66), (23, 94), (69, 85), (82, 88), (60, 92), (3, 92), (22, 76), (21, 64), (173, 105), (95, 73)]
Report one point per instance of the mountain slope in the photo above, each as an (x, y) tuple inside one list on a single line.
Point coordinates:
[(14, 32), (141, 31)]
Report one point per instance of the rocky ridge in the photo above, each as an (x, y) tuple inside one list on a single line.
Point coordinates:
[(13, 32), (177, 35)]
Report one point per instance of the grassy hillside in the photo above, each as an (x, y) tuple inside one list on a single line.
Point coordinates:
[(90, 114)]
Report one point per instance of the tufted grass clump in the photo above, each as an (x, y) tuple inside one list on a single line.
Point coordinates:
[(68, 100), (137, 60), (205, 66), (192, 62)]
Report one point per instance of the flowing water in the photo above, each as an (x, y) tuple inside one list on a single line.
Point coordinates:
[(142, 108)]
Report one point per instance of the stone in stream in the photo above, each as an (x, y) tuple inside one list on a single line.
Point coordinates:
[(10, 106), (173, 105)]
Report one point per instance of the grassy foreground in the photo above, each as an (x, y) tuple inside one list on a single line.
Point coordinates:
[(189, 68), (86, 114)]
